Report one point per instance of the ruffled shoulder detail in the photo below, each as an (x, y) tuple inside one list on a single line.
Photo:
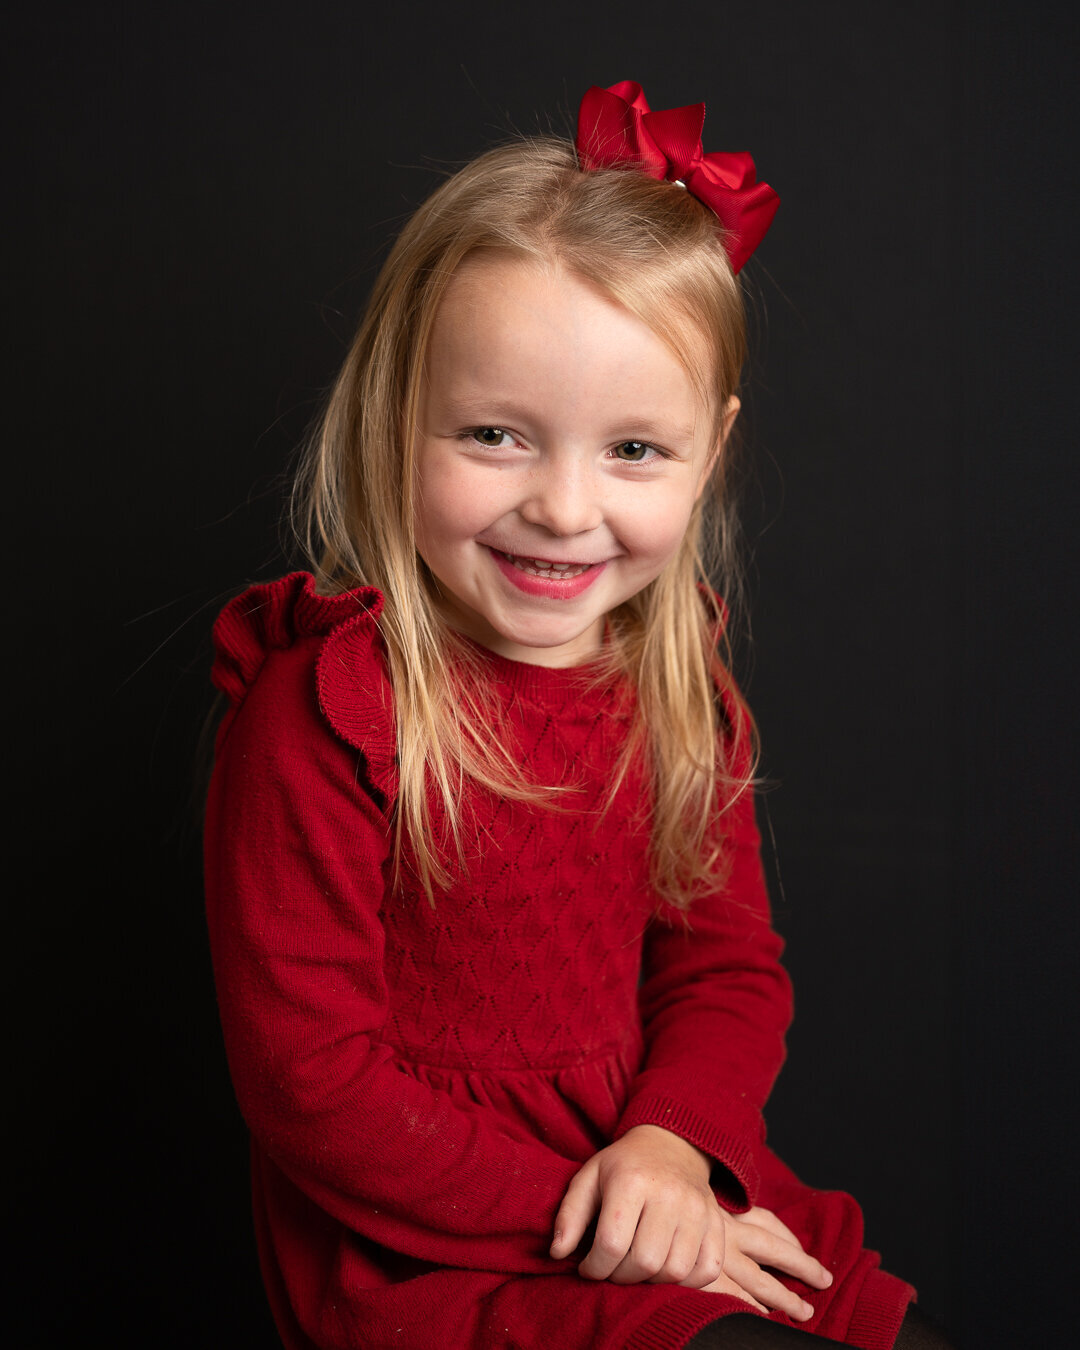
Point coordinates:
[(271, 617), (351, 680), (355, 694)]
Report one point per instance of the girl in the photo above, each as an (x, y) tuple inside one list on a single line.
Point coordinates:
[(500, 994)]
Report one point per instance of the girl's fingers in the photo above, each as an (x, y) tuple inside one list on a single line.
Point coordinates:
[(647, 1255), (616, 1226), (580, 1203), (765, 1218), (685, 1258), (664, 1248), (724, 1284), (614, 1234), (769, 1249), (766, 1288), (709, 1266)]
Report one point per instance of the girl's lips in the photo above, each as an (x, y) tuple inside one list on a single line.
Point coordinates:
[(578, 577)]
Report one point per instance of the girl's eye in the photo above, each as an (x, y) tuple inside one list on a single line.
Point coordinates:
[(634, 452), (490, 436)]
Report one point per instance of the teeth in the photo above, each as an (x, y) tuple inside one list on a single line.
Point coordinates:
[(541, 568)]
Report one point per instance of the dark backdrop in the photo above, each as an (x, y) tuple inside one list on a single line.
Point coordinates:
[(199, 197)]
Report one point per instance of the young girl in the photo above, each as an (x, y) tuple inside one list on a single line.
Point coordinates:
[(500, 994)]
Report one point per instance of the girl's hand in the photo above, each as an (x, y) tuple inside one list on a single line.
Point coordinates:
[(659, 1221), (756, 1239)]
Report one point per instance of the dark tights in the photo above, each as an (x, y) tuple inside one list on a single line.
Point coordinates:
[(744, 1331)]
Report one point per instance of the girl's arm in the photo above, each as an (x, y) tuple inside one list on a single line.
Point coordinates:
[(295, 856), (715, 1004)]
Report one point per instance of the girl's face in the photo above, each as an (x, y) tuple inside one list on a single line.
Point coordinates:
[(561, 448)]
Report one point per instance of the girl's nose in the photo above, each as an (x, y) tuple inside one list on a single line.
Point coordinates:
[(563, 500)]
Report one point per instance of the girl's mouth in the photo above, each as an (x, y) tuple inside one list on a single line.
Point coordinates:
[(540, 567), (541, 577)]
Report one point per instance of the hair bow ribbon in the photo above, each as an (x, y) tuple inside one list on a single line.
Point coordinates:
[(617, 129)]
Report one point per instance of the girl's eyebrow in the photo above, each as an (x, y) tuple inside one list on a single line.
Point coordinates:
[(647, 429), (468, 404)]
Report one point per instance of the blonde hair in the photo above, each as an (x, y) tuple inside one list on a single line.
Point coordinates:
[(657, 251)]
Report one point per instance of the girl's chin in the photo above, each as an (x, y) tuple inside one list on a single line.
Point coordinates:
[(560, 646)]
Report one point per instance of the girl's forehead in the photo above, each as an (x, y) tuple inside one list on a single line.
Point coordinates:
[(497, 302), (484, 277)]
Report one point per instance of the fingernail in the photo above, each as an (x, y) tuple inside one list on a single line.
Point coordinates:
[(808, 1309), (828, 1278)]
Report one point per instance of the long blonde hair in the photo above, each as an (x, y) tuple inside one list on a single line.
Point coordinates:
[(655, 250)]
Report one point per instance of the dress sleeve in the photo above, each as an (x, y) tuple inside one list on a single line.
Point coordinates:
[(296, 851), (715, 1006)]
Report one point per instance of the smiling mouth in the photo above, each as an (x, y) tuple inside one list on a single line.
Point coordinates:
[(540, 567)]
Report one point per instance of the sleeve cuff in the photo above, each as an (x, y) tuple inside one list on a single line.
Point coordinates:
[(736, 1180)]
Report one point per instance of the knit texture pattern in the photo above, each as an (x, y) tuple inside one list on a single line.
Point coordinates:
[(421, 1083)]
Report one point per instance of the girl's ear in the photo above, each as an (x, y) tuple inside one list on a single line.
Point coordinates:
[(727, 421)]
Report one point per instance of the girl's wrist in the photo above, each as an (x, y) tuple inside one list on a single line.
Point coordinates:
[(698, 1159)]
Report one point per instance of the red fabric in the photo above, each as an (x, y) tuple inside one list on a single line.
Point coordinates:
[(421, 1084), (616, 129)]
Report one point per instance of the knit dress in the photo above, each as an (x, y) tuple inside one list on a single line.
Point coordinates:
[(421, 1083)]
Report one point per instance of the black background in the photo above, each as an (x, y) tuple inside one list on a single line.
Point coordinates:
[(198, 198)]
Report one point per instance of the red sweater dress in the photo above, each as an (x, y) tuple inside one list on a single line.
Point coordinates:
[(422, 1083)]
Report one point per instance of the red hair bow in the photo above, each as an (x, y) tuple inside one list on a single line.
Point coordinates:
[(617, 130)]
